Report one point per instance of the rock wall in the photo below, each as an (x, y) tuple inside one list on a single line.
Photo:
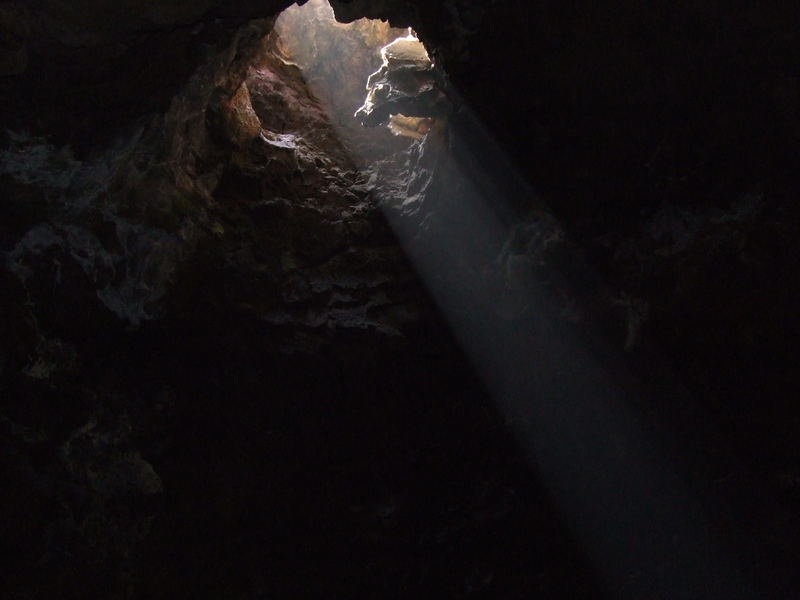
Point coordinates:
[(662, 139), (220, 375), (81, 71), (336, 60), (201, 304)]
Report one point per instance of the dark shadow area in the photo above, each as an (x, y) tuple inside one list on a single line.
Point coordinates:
[(541, 344)]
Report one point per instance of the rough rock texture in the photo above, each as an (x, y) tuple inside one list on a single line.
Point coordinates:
[(219, 376), (336, 60), (82, 70), (406, 84), (222, 377), (663, 138)]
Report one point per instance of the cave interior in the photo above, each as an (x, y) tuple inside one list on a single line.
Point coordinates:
[(399, 298)]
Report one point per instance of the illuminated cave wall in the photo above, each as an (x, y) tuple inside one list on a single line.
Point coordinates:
[(336, 60)]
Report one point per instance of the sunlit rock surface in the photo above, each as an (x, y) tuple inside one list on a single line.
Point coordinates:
[(406, 84), (413, 127)]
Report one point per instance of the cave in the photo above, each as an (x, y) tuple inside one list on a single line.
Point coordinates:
[(399, 298)]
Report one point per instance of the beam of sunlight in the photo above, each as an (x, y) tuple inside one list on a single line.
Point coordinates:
[(610, 476), (616, 483)]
